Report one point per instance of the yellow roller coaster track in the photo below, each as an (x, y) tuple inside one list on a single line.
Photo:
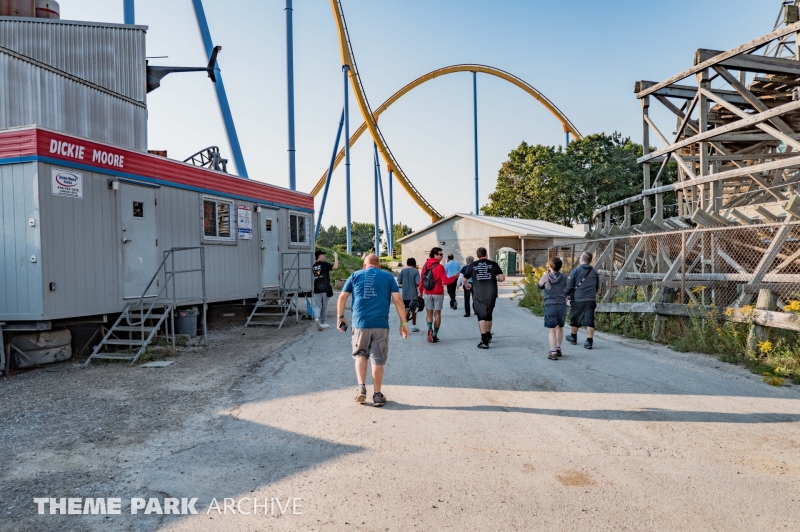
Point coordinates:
[(371, 118)]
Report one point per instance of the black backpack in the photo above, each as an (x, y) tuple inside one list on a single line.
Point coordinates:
[(428, 280)]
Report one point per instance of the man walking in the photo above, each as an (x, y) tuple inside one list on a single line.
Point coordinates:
[(485, 274), (373, 290), (452, 268), (582, 286), (431, 285), (408, 279), (461, 283), (323, 290)]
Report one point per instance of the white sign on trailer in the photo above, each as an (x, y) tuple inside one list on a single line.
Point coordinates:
[(67, 183), (245, 223)]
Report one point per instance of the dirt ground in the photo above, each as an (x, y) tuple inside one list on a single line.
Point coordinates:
[(71, 431)]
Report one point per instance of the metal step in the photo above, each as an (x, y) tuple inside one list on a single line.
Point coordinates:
[(113, 356), (134, 328), (264, 322), (124, 342)]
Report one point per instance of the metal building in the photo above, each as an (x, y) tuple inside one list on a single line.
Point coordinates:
[(83, 78), (83, 227)]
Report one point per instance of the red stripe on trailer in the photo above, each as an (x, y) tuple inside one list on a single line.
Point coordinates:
[(42, 142)]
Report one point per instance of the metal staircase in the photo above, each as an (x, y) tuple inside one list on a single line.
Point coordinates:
[(141, 320), (272, 308), (275, 304)]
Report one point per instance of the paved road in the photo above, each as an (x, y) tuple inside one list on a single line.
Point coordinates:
[(629, 436)]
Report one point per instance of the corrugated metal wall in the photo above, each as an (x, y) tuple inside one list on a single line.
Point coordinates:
[(109, 55), (32, 95), (20, 279)]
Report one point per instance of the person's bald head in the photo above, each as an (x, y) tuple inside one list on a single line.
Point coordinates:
[(372, 260)]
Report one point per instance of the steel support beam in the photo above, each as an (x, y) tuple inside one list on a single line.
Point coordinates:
[(290, 93), (346, 70), (130, 12), (475, 122), (328, 181), (219, 86)]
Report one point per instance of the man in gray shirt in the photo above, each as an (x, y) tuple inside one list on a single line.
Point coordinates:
[(582, 286), (408, 280)]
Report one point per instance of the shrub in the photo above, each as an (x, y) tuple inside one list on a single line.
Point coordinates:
[(532, 298)]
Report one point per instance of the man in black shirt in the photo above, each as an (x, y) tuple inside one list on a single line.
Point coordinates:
[(323, 290), (484, 274)]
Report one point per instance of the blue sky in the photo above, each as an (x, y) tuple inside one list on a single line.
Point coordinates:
[(584, 56)]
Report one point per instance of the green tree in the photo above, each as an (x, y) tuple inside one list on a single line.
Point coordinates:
[(566, 186), (400, 230)]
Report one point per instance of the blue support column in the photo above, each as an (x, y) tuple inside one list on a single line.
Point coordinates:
[(475, 121), (290, 93), (219, 86), (567, 132), (391, 217), (130, 12), (328, 180), (346, 69), (383, 202), (377, 219)]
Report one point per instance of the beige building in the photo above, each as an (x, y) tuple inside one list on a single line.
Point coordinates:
[(462, 234)]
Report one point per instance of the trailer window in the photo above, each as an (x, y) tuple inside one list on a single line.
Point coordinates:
[(217, 219), (298, 227), (138, 209)]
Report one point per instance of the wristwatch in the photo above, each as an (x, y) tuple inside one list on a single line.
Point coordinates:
[(341, 317)]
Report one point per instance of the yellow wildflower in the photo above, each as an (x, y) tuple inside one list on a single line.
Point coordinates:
[(747, 310), (765, 347), (698, 289), (729, 312), (793, 306)]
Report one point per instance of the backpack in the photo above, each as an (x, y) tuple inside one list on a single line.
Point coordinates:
[(428, 280)]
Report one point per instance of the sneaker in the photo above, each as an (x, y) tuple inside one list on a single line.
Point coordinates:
[(491, 337), (435, 340), (466, 315), (361, 394), (325, 325), (587, 344), (414, 329), (571, 338), (430, 336), (319, 325), (378, 399), (558, 351), (483, 345), (552, 355), (455, 306)]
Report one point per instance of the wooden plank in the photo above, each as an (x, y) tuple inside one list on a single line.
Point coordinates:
[(637, 249), (687, 92), (766, 261), (753, 63), (745, 122), (777, 320), (746, 47)]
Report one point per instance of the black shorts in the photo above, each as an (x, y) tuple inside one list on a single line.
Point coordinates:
[(407, 303), (554, 316), (483, 308), (582, 313)]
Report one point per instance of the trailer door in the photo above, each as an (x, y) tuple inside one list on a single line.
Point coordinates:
[(270, 249), (139, 246)]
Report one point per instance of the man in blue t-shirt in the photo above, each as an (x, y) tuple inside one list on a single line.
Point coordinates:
[(373, 290)]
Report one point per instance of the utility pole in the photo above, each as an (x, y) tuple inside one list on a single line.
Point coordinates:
[(290, 92)]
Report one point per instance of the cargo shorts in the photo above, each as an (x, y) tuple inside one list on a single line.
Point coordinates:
[(371, 343)]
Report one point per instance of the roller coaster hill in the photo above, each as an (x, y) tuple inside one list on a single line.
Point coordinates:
[(735, 237)]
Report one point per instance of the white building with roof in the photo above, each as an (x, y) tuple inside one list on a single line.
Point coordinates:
[(462, 234)]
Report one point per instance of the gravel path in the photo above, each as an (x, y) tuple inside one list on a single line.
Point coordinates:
[(628, 436)]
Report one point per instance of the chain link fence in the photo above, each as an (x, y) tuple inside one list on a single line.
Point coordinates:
[(719, 266)]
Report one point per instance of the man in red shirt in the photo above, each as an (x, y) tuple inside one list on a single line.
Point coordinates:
[(432, 288)]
